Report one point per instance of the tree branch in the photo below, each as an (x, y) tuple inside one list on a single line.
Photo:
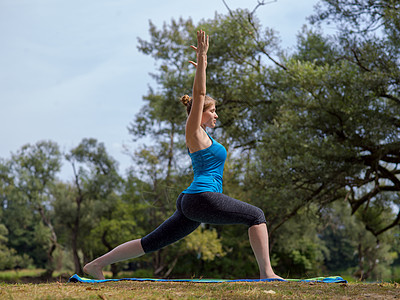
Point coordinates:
[(260, 3), (393, 224), (395, 99), (355, 204), (261, 48), (389, 175), (296, 209), (359, 62)]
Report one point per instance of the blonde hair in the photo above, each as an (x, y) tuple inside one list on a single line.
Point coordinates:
[(187, 101)]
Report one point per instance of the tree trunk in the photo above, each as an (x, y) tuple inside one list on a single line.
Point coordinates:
[(53, 246), (75, 227), (170, 152), (171, 267), (75, 232), (158, 264), (115, 270), (77, 263)]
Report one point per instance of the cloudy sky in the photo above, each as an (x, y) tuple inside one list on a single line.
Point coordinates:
[(70, 69)]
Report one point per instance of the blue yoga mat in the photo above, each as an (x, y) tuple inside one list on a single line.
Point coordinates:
[(332, 279)]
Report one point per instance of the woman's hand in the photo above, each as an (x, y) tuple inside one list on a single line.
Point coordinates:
[(202, 46)]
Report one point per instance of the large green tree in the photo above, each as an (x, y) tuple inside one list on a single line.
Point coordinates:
[(31, 174), (336, 133), (235, 71), (314, 125), (81, 204)]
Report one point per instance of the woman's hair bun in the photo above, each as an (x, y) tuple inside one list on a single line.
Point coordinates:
[(185, 100)]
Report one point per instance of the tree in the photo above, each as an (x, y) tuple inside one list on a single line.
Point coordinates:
[(31, 175), (162, 116), (118, 223), (9, 259), (352, 248), (339, 119), (96, 180), (336, 132), (316, 125)]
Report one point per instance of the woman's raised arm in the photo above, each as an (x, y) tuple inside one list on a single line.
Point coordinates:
[(199, 87)]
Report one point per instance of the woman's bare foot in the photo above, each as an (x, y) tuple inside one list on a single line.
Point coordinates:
[(93, 270), (272, 276)]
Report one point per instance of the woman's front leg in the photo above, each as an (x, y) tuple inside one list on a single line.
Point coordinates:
[(258, 235)]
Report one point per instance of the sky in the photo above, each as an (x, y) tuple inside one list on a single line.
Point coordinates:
[(70, 69)]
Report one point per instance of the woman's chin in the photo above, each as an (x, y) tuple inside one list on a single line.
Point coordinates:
[(210, 125)]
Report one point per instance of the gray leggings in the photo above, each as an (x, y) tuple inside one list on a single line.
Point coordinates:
[(194, 209)]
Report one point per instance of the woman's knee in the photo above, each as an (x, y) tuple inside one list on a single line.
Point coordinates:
[(259, 217)]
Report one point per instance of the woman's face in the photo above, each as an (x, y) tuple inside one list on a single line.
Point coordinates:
[(209, 117)]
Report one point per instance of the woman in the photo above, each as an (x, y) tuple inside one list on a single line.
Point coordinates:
[(202, 201)]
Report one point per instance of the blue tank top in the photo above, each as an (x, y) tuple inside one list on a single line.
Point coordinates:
[(208, 168)]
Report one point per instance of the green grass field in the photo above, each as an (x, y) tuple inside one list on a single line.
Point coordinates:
[(58, 288), (162, 290)]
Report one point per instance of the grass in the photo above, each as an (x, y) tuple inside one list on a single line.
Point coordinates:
[(174, 290), (28, 276), (15, 275)]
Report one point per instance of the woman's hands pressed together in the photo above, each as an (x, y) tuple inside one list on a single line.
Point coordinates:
[(202, 47)]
